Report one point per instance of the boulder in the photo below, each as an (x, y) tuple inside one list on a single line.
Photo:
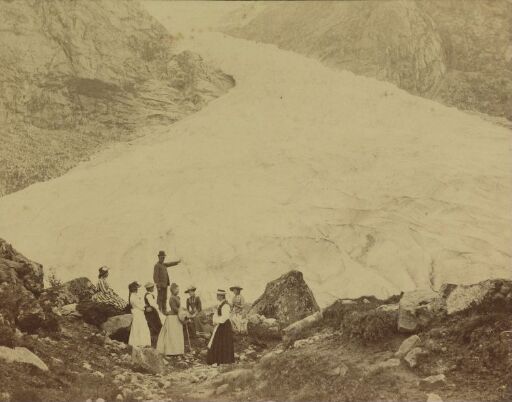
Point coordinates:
[(339, 371), (297, 328), (434, 398), (287, 299), (118, 327), (21, 355), (407, 345), (72, 292), (412, 357), (261, 327), (433, 382), (97, 313), (487, 293), (148, 360), (416, 309)]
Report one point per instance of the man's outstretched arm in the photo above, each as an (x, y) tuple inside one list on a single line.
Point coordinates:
[(172, 263)]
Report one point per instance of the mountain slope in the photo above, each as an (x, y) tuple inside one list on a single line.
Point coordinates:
[(363, 187), (79, 74), (455, 52)]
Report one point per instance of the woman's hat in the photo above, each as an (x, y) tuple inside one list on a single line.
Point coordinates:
[(235, 287), (221, 292), (134, 285), (161, 253), (103, 269), (190, 289), (149, 285)]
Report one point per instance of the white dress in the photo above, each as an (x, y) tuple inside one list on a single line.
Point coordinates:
[(139, 332)]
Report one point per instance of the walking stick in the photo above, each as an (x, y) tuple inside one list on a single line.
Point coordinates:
[(188, 338)]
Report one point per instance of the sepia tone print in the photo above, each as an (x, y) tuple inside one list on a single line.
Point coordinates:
[(260, 201)]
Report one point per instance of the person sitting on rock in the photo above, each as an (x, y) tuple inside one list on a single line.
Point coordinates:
[(237, 304), (221, 348), (151, 313), (139, 331), (194, 307), (104, 293)]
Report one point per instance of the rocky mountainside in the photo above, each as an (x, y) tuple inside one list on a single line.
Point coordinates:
[(458, 53), (79, 74)]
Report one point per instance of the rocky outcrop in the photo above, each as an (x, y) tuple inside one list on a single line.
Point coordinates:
[(21, 282), (97, 313), (457, 53), (80, 74), (72, 292), (287, 299)]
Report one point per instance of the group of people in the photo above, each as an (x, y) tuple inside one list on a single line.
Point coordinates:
[(161, 321)]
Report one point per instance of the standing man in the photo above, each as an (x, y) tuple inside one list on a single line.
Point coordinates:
[(161, 279)]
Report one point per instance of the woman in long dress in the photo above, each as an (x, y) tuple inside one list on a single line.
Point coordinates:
[(221, 349), (139, 331), (237, 303), (104, 293), (171, 341)]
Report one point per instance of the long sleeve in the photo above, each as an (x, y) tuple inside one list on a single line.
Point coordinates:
[(224, 315), (199, 306), (172, 263)]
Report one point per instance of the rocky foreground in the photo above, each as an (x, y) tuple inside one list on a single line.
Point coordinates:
[(455, 344)]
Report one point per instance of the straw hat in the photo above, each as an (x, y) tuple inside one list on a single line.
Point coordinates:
[(235, 287), (190, 289), (149, 285)]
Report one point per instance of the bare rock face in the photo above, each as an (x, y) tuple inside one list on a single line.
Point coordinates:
[(287, 299), (80, 74), (456, 53), (72, 292)]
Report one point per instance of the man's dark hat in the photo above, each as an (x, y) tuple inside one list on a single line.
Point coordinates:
[(161, 253)]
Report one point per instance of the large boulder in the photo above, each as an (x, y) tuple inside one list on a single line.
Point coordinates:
[(22, 355), (416, 309), (148, 360), (118, 327), (97, 313), (287, 299), (491, 293), (72, 292)]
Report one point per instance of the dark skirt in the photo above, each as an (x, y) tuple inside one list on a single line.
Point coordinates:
[(154, 324), (222, 350)]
